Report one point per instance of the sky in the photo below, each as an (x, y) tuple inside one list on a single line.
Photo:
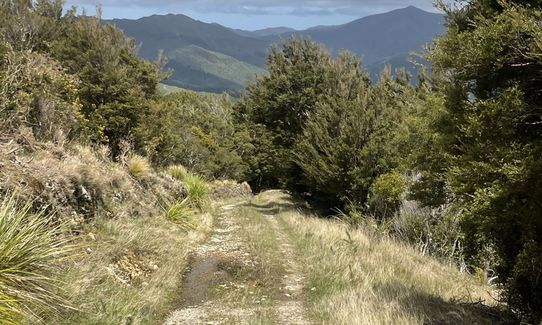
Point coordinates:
[(252, 14)]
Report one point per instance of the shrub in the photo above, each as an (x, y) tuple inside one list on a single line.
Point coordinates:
[(178, 172), (29, 248), (138, 166), (197, 190), (490, 136), (387, 193), (181, 212), (525, 285), (196, 131), (433, 231)]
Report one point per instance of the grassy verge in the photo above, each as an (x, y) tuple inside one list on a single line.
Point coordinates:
[(355, 278), (131, 272), (31, 246)]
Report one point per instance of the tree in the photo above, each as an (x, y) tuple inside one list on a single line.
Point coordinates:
[(489, 67), (276, 107), (117, 87), (329, 150), (196, 131)]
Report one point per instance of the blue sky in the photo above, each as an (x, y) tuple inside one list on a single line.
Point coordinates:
[(252, 14)]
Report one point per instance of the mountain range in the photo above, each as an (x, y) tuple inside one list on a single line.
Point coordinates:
[(214, 58)]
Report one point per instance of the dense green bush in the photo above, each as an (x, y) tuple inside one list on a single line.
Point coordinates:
[(318, 127), (488, 67), (116, 87), (274, 109), (72, 74), (196, 131), (387, 193), (37, 93)]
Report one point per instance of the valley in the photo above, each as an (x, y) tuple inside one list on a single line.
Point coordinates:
[(213, 58)]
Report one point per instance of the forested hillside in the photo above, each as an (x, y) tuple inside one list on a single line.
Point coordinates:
[(384, 39), (392, 199)]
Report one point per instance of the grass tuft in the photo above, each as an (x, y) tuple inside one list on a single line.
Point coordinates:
[(138, 166), (198, 190), (30, 246), (181, 213), (178, 172)]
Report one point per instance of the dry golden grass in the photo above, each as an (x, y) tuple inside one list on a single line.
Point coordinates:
[(356, 278), (138, 166), (178, 172)]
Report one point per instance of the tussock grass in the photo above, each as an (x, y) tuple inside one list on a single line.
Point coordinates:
[(178, 172), (181, 213), (198, 190), (197, 187), (30, 247), (138, 166)]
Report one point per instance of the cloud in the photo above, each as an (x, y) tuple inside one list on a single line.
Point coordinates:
[(266, 7)]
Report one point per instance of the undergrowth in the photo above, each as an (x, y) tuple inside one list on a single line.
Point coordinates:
[(31, 245), (181, 213)]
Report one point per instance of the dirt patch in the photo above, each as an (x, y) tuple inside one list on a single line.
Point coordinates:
[(132, 269), (291, 309), (215, 267), (202, 275)]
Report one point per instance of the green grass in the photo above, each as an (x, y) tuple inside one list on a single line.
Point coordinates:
[(178, 172), (198, 190), (30, 247), (217, 64), (168, 89), (181, 213)]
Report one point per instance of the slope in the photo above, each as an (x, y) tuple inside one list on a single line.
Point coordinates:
[(171, 32), (216, 64), (260, 33), (268, 263)]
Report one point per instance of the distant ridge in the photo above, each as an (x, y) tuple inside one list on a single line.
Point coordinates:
[(379, 36), (272, 31), (225, 56)]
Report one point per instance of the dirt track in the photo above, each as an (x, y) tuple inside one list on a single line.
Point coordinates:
[(228, 283)]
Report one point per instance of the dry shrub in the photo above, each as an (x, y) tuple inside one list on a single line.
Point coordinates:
[(229, 189), (81, 182)]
